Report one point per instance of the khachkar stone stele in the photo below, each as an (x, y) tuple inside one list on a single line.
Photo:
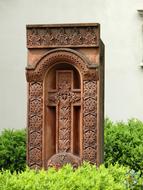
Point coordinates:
[(65, 75)]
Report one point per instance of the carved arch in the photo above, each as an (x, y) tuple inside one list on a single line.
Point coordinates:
[(37, 72)]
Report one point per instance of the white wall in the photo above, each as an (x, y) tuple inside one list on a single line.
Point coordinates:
[(120, 31)]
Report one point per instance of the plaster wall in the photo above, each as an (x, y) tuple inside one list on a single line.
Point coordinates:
[(121, 32)]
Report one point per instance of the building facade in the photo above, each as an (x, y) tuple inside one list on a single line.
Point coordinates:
[(121, 31)]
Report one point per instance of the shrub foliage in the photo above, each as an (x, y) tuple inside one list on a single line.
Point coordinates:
[(124, 143), (86, 177), (13, 150)]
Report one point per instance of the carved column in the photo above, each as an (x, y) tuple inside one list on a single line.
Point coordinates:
[(35, 119), (90, 120)]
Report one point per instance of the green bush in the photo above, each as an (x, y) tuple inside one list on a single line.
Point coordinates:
[(13, 150), (124, 143), (86, 177)]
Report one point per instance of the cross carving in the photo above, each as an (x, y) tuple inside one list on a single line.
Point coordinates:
[(64, 97)]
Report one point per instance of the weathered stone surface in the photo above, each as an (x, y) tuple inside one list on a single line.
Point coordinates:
[(65, 95)]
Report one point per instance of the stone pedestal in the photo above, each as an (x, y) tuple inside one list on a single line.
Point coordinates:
[(65, 75)]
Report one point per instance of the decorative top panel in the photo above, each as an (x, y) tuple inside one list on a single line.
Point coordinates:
[(63, 35)]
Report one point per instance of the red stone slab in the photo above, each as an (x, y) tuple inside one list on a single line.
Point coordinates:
[(65, 75)]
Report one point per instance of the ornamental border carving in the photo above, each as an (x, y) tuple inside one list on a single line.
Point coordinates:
[(90, 120), (35, 119), (53, 36)]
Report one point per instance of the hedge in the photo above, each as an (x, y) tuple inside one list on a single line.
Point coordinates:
[(86, 177), (13, 150), (123, 144)]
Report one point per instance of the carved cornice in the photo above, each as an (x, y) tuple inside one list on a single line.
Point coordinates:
[(53, 36)]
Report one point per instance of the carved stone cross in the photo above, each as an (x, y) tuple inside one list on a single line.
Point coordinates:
[(64, 97), (65, 75)]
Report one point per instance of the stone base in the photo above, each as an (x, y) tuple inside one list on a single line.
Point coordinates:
[(61, 159)]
